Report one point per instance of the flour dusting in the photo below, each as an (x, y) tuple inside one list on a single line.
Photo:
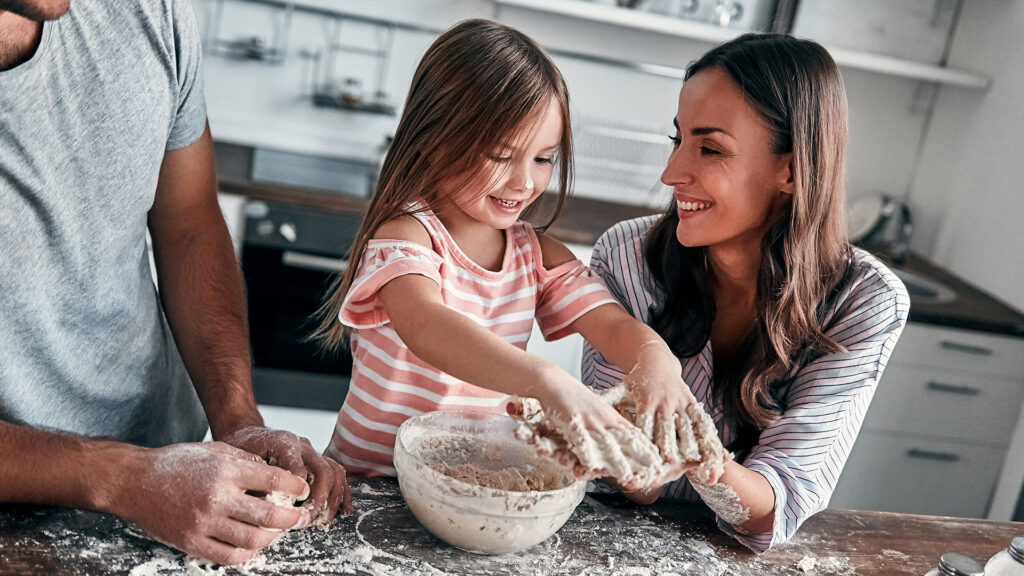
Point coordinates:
[(724, 501), (631, 456)]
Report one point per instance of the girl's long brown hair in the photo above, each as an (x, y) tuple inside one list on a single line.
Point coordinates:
[(805, 256), (476, 87)]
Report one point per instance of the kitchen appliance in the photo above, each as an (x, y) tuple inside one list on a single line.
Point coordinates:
[(881, 224), (290, 255)]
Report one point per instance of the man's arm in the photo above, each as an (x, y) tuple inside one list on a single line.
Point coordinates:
[(203, 296), (201, 286), (195, 497)]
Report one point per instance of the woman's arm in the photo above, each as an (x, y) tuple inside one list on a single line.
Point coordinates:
[(742, 498), (801, 455)]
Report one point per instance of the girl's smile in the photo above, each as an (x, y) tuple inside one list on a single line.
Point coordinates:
[(510, 207)]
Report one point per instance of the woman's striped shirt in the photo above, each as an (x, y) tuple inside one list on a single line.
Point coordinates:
[(391, 384), (802, 454)]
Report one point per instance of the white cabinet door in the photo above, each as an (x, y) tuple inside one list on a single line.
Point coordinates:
[(938, 428), (960, 351), (911, 475), (945, 404)]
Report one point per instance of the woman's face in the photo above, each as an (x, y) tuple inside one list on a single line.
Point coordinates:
[(727, 182)]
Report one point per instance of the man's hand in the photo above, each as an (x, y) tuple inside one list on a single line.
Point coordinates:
[(328, 486), (199, 498)]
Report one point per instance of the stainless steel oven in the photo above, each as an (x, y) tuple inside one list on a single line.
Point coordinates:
[(289, 257)]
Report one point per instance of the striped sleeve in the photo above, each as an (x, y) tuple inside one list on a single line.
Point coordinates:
[(567, 292), (382, 262), (802, 454)]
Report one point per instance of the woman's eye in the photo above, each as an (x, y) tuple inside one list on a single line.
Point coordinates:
[(709, 151), (676, 140)]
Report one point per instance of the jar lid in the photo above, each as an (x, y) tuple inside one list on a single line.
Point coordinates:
[(1016, 549), (952, 564)]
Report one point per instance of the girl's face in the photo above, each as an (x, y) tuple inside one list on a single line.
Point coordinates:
[(514, 176), (727, 182)]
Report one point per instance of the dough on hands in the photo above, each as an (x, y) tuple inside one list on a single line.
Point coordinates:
[(634, 458)]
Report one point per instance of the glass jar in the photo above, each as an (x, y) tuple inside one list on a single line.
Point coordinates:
[(951, 564), (1009, 562)]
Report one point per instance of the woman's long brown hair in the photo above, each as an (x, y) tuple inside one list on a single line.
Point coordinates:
[(476, 87), (805, 256)]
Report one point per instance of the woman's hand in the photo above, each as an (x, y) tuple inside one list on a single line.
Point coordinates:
[(662, 401)]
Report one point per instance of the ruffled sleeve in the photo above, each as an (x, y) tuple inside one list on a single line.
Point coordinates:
[(382, 262), (567, 292)]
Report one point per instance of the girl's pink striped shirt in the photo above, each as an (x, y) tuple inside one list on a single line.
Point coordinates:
[(390, 384)]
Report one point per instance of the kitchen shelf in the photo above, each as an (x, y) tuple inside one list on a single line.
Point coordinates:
[(682, 28)]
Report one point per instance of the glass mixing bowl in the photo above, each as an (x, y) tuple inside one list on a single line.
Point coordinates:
[(472, 517)]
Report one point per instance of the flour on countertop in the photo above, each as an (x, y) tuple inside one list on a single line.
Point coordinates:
[(832, 565), (385, 540), (895, 555)]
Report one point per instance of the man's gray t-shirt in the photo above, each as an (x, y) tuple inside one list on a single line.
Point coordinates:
[(84, 124)]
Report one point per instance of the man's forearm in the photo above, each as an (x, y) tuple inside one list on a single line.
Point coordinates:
[(50, 468), (204, 299)]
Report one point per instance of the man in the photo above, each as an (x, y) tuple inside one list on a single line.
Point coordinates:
[(103, 135)]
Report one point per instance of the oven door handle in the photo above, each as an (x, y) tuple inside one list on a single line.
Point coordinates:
[(311, 262)]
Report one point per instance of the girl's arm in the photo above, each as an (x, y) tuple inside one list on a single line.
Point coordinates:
[(653, 373), (456, 345)]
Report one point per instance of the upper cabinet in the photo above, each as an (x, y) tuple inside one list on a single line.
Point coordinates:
[(905, 39)]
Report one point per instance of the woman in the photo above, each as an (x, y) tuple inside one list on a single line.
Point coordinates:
[(783, 328)]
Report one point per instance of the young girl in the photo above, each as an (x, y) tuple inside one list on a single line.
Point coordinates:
[(447, 281)]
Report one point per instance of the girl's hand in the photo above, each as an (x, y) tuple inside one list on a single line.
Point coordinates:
[(663, 400), (584, 431)]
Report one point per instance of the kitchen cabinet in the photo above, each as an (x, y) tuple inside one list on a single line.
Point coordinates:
[(844, 57), (939, 426)]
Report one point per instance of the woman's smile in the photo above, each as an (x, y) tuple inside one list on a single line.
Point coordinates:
[(689, 209)]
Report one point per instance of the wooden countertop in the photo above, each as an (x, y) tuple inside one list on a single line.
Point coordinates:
[(606, 535)]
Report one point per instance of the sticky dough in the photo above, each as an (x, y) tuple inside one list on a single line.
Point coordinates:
[(631, 456)]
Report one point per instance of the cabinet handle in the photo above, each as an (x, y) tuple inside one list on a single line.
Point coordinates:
[(966, 348), (928, 455), (312, 262), (953, 389)]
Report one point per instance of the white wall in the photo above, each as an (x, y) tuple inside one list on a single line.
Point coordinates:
[(253, 103), (967, 198)]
